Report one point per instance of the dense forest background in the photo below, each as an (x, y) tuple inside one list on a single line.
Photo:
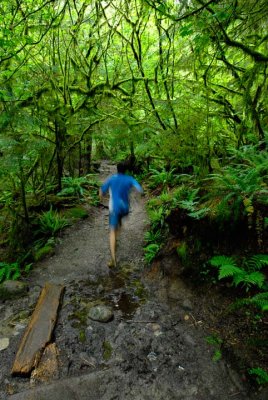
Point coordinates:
[(177, 89), (179, 85)]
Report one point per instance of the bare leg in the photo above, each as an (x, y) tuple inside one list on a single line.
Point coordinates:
[(113, 236)]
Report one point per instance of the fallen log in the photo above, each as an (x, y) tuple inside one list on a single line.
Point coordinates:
[(39, 330)]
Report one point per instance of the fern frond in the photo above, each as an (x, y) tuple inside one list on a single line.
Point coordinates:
[(188, 205), (260, 300), (230, 270), (257, 262), (261, 375), (239, 278), (260, 296), (199, 214), (255, 278), (218, 261)]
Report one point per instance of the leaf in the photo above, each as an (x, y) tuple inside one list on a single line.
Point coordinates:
[(199, 214), (255, 278), (260, 300), (259, 260), (261, 375), (218, 261), (229, 270), (16, 275), (186, 30), (217, 355)]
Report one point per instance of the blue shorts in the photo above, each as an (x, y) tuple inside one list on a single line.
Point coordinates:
[(116, 217)]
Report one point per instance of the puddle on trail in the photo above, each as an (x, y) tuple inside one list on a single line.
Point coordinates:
[(122, 289), (127, 305)]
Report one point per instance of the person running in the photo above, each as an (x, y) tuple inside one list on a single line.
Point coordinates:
[(119, 186)]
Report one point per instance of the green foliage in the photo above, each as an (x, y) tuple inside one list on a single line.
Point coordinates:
[(153, 237), (236, 187), (157, 217), (93, 197), (182, 251), (13, 271), (187, 198), (44, 251), (51, 222), (107, 350), (162, 178), (260, 375), (216, 342), (150, 252), (73, 186), (77, 213), (86, 188), (247, 274), (256, 262), (9, 271), (259, 300), (148, 100)]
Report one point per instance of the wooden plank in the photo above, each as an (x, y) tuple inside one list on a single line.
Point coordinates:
[(48, 367), (39, 331)]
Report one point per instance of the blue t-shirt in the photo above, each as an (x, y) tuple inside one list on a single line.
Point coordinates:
[(119, 186)]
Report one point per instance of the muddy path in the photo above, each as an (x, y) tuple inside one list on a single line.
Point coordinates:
[(154, 347)]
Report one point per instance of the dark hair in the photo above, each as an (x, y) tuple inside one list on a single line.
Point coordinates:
[(121, 168)]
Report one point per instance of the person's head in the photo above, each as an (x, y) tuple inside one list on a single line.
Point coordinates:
[(121, 168)]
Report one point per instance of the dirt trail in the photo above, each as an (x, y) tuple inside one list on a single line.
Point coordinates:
[(153, 348), (84, 249)]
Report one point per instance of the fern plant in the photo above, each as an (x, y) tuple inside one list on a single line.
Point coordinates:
[(189, 200), (51, 222), (150, 252), (153, 236), (161, 178), (248, 274), (73, 186), (9, 271), (259, 300), (235, 188), (157, 217), (260, 374)]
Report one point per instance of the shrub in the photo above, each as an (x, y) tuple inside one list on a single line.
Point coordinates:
[(247, 274), (51, 222)]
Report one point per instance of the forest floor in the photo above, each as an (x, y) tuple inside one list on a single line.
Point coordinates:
[(155, 346)]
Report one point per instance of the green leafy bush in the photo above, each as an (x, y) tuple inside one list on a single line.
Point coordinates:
[(9, 271), (150, 252), (259, 300), (247, 274), (51, 222), (77, 213), (157, 217), (162, 178), (153, 237), (44, 251), (216, 342), (187, 198), (13, 271), (182, 251), (260, 374), (73, 186), (80, 186), (234, 190)]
